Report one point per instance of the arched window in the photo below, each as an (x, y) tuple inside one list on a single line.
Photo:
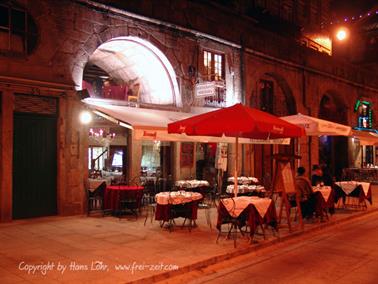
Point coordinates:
[(266, 95), (18, 31)]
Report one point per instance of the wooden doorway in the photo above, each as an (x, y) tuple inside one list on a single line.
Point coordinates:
[(34, 165)]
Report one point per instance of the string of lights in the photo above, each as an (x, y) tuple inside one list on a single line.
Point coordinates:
[(352, 18)]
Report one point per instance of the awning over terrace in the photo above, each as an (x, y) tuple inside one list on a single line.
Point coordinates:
[(151, 124), (365, 137)]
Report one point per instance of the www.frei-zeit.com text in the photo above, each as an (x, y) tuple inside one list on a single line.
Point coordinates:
[(44, 268)]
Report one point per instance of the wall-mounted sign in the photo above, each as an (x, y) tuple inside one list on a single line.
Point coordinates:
[(205, 89), (364, 113)]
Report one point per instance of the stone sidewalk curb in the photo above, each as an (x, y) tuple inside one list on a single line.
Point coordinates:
[(242, 251)]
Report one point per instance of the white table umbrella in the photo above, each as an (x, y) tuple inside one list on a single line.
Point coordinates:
[(315, 126)]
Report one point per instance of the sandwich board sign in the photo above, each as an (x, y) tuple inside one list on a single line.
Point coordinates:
[(284, 186)]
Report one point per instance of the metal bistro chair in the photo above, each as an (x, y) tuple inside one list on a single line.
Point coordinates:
[(130, 200), (208, 202), (150, 211), (233, 223), (149, 192)]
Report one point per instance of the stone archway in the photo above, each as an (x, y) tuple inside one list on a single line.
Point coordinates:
[(286, 99), (132, 60), (332, 108)]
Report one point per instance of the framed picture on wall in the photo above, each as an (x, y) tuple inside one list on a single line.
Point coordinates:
[(186, 154)]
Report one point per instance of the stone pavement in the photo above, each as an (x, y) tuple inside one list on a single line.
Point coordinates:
[(345, 253), (110, 250)]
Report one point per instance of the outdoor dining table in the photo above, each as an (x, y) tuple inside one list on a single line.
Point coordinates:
[(357, 189), (324, 199), (245, 189), (251, 211), (94, 183), (193, 185), (174, 204), (115, 193), (244, 180)]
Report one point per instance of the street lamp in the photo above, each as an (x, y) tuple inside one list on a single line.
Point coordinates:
[(85, 117), (341, 34)]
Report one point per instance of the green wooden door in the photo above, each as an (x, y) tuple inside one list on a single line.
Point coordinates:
[(34, 166)]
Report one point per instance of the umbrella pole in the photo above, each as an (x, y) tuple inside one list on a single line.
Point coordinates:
[(236, 167)]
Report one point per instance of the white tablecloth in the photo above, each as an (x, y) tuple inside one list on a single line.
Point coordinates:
[(191, 183), (148, 179), (236, 205), (177, 197), (349, 186), (324, 190), (94, 183), (244, 180), (242, 188)]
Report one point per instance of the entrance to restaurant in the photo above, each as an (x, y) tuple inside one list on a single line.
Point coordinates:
[(205, 161), (107, 151), (156, 165), (156, 159), (34, 165)]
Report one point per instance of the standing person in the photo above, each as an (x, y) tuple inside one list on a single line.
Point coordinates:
[(305, 191), (317, 176), (327, 177)]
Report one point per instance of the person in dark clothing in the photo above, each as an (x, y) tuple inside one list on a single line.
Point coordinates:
[(317, 176), (305, 192)]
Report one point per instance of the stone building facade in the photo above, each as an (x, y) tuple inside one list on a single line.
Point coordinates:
[(69, 32)]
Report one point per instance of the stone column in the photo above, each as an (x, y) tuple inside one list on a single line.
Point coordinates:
[(6, 154), (72, 168), (135, 156)]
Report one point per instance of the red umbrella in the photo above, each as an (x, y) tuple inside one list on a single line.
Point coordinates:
[(237, 121)]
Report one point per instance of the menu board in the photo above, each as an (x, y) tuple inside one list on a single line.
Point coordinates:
[(187, 154), (284, 178), (287, 178)]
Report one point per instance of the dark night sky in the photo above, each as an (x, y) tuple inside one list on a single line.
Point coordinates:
[(349, 8)]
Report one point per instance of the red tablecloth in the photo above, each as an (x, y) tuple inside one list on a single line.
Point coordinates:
[(115, 193), (169, 211), (249, 217)]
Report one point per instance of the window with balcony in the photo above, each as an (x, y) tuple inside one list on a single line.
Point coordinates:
[(213, 66), (214, 70)]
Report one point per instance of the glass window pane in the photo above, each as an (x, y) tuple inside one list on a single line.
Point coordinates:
[(4, 16), (89, 158), (18, 21)]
